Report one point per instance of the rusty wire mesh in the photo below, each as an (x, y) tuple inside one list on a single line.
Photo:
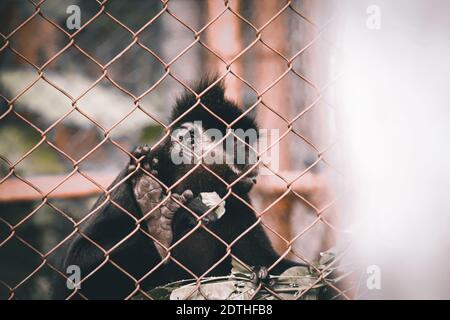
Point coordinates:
[(71, 42)]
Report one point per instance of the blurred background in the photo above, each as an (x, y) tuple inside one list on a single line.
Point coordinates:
[(360, 105)]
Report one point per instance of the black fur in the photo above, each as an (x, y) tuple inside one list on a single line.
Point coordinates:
[(199, 252), (214, 100)]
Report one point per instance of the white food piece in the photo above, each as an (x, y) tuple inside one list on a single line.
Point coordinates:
[(212, 199)]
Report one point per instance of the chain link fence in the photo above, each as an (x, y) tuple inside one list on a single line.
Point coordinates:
[(75, 100)]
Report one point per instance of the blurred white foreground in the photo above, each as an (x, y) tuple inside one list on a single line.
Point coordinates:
[(394, 100)]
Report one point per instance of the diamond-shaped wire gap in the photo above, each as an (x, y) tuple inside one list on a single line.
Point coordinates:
[(121, 11), (194, 63), (272, 233), (137, 125), (17, 75), (17, 137), (159, 101), (101, 45), (56, 11), (189, 12), (306, 181), (275, 135), (216, 30), (43, 160), (94, 247), (269, 223), (278, 66), (290, 23), (38, 47), (102, 185), (21, 139), (182, 252), (110, 249), (323, 202), (18, 261), (53, 228), (308, 56), (299, 95), (21, 210), (315, 235), (227, 58), (130, 276), (306, 152), (307, 34), (173, 32), (326, 32), (249, 97), (324, 275), (322, 141), (136, 70), (42, 102), (121, 274), (13, 15), (75, 32), (267, 216), (39, 285), (99, 163), (73, 72), (106, 191), (319, 136), (167, 38), (310, 239), (136, 103), (269, 204), (104, 105)]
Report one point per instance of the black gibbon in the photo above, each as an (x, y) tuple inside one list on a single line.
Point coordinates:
[(167, 221)]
